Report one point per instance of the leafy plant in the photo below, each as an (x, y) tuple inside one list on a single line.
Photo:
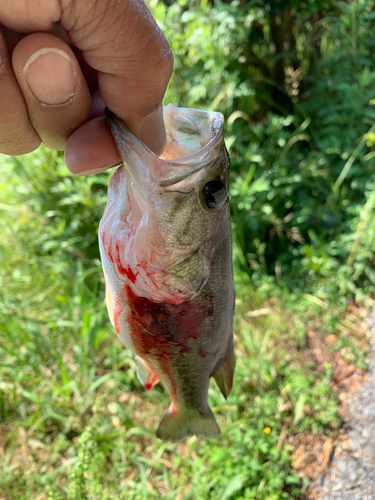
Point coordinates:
[(74, 420)]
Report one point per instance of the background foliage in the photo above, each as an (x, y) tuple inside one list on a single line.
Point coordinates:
[(295, 82)]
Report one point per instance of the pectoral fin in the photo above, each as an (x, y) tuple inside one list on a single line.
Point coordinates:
[(145, 375), (224, 372)]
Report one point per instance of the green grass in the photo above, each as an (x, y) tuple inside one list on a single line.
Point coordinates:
[(75, 423)]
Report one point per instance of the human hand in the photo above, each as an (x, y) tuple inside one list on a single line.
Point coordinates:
[(63, 61)]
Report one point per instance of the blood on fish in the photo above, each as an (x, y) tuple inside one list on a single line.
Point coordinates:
[(117, 309), (128, 272), (160, 329), (202, 354), (122, 270), (185, 350), (151, 384), (150, 325)]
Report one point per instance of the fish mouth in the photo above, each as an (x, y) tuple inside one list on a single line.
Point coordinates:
[(169, 260), (193, 141)]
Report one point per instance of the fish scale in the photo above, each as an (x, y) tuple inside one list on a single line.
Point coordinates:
[(165, 245)]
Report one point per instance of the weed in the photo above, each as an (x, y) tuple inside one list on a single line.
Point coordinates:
[(74, 419)]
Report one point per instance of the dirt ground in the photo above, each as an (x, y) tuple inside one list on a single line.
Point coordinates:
[(342, 466)]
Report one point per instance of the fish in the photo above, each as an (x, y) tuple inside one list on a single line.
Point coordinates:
[(166, 252)]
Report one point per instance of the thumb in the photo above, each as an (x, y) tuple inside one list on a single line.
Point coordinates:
[(121, 40)]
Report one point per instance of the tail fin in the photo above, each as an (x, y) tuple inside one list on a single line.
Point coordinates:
[(176, 427)]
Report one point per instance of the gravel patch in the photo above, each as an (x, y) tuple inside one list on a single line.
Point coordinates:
[(352, 472)]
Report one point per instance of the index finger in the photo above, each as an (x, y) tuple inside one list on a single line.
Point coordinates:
[(121, 40)]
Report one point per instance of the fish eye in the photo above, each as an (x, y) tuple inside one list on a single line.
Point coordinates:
[(214, 193)]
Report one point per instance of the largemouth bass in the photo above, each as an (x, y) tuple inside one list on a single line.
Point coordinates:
[(165, 245)]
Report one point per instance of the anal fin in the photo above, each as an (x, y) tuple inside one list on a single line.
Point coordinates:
[(223, 374), (145, 375)]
